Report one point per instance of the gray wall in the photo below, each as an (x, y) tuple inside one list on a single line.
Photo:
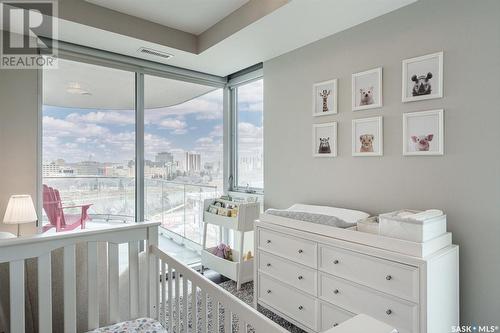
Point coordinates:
[(465, 182), (18, 138)]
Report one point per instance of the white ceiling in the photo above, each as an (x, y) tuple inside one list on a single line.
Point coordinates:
[(291, 26), (81, 85), (193, 16)]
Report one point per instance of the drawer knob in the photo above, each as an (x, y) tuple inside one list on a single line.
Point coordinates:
[(300, 277), (336, 291), (301, 307), (335, 261), (336, 324), (388, 277), (268, 241), (300, 251), (268, 291), (268, 264), (389, 311)]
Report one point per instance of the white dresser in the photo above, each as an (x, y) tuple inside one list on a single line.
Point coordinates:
[(316, 282)]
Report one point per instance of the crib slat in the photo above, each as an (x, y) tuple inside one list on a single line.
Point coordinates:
[(185, 298), (16, 276), (194, 306), (170, 296), (204, 322), (133, 270), (93, 292), (44, 293), (177, 281), (69, 289), (114, 283), (227, 319), (163, 319), (242, 325), (157, 291)]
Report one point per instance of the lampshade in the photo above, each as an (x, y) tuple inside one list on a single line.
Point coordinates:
[(20, 209)]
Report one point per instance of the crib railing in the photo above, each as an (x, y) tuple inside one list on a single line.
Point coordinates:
[(189, 302), (159, 286)]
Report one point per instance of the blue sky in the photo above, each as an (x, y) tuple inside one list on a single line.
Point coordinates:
[(109, 135)]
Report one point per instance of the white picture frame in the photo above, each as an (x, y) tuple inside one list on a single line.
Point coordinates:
[(415, 78), (320, 102), (368, 136), (321, 133), (417, 129), (367, 90)]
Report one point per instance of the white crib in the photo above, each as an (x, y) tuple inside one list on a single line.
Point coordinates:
[(171, 294)]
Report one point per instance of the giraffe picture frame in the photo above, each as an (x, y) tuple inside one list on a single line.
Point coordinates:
[(325, 98)]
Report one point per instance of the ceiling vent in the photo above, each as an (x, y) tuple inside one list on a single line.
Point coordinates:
[(155, 53)]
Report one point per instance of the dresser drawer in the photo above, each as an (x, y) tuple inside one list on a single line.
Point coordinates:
[(384, 275), (287, 300), (401, 314), (331, 316), (293, 248), (301, 277)]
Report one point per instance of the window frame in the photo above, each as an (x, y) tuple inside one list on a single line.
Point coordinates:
[(140, 68), (233, 84)]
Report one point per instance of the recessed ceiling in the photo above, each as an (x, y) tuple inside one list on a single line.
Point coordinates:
[(291, 26), (193, 16)]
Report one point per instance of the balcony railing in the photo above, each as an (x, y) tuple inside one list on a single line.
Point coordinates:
[(178, 206)]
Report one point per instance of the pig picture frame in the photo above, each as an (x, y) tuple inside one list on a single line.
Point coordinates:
[(422, 78), (423, 133)]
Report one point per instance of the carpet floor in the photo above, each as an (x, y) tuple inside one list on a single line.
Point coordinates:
[(245, 294)]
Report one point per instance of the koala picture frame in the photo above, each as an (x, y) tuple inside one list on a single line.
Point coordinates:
[(423, 78), (325, 98), (423, 133), (324, 140), (368, 137), (367, 90)]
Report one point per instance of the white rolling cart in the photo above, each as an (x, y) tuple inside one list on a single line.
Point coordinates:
[(238, 270)]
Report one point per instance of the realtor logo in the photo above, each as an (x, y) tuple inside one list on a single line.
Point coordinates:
[(23, 23)]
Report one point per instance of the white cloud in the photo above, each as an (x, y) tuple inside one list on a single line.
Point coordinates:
[(178, 126), (104, 117)]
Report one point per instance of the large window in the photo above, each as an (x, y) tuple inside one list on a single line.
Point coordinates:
[(183, 153), (88, 138), (248, 152)]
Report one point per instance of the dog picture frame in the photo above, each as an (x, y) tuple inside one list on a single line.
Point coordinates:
[(324, 140), (368, 137), (422, 77), (423, 133), (367, 89), (325, 98)]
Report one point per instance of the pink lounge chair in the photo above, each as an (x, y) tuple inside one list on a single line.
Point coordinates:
[(55, 212)]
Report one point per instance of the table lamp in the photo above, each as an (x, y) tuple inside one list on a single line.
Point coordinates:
[(20, 209)]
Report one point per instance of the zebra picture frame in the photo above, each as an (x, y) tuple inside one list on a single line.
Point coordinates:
[(324, 139), (325, 96)]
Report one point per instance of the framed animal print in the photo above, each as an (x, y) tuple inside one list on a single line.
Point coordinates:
[(367, 89), (325, 140), (423, 77), (423, 133), (325, 98), (367, 137)]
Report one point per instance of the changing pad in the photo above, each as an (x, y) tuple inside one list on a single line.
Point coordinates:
[(327, 220), (142, 325)]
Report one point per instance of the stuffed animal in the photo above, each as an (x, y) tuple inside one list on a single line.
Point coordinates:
[(223, 251), (422, 85)]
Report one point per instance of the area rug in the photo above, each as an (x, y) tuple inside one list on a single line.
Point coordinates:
[(245, 294)]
